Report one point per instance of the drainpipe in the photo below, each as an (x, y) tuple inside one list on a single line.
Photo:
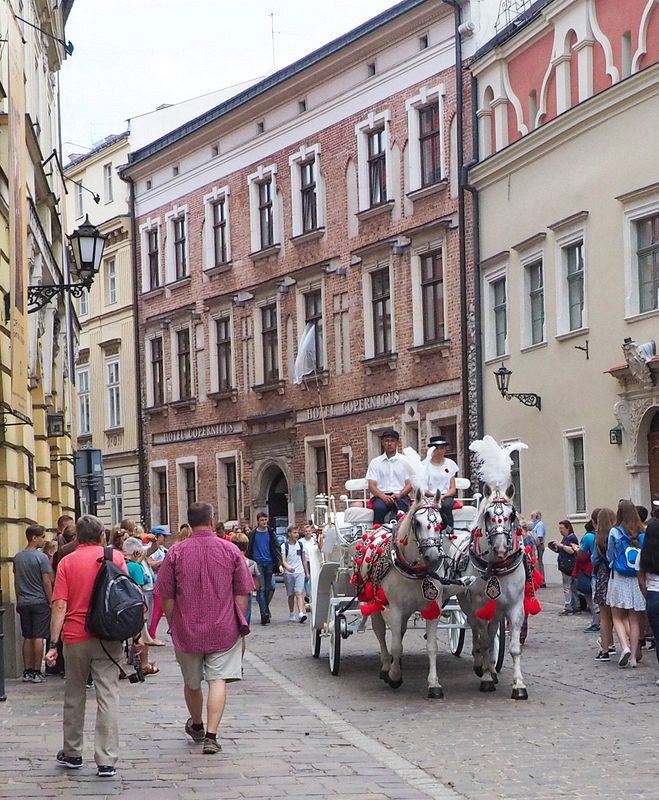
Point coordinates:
[(145, 509), (462, 234)]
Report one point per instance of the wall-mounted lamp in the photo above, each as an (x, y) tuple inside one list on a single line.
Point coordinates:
[(615, 435), (241, 299), (502, 376)]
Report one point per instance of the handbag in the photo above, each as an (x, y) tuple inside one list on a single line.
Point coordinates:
[(583, 585), (566, 562)]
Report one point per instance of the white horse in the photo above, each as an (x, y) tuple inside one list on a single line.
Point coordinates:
[(498, 560), (399, 572)]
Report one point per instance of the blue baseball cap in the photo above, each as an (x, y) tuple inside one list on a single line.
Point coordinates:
[(161, 530)]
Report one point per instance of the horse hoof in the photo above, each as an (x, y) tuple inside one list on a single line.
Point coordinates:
[(396, 684), (487, 686), (495, 678), (435, 693), (520, 694), (384, 675), (479, 671)]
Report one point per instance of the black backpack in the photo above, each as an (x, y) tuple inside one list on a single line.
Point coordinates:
[(116, 608)]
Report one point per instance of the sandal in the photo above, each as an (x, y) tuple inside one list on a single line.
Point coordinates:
[(150, 669)]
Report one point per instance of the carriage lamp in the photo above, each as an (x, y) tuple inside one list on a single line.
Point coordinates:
[(321, 510), (87, 244), (502, 376), (615, 435)]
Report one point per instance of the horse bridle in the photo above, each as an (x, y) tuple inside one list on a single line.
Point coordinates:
[(495, 517)]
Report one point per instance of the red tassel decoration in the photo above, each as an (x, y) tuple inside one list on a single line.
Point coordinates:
[(537, 579), (432, 611), (371, 608), (488, 611), (531, 606), (369, 594), (381, 596)]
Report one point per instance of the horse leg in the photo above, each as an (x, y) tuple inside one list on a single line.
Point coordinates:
[(380, 630), (396, 625), (435, 690), (516, 621), (477, 633)]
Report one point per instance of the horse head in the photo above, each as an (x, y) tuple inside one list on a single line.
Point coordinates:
[(426, 524), (498, 526)]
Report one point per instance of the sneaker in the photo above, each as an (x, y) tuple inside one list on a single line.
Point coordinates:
[(38, 677), (27, 676), (197, 736), (633, 663), (106, 771), (291, 616), (566, 612), (89, 683), (657, 681), (592, 629), (624, 657), (70, 762), (612, 649), (601, 656), (211, 746), (302, 618)]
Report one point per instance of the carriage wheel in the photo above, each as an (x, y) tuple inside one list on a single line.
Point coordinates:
[(315, 642), (456, 636), (500, 646), (334, 628)]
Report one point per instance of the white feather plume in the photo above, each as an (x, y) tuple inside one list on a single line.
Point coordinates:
[(496, 464), (417, 468)]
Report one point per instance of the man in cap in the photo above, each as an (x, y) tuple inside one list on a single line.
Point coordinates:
[(388, 478)]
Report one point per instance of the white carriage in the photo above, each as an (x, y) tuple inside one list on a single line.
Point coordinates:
[(335, 612)]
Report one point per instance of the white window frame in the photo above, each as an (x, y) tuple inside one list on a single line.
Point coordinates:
[(311, 445), (170, 253), (304, 154), (489, 279), (182, 464), (116, 499), (80, 206), (113, 390), (258, 340), (567, 237), (217, 194), (362, 131), (570, 486), (367, 294), (83, 305), (154, 468), (214, 316), (418, 252), (516, 499), (173, 338), (253, 182), (112, 296), (148, 343), (303, 289), (426, 97), (145, 229), (107, 182), (84, 402), (527, 259), (221, 459), (636, 209)]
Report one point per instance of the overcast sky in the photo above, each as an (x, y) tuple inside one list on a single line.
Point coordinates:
[(133, 55)]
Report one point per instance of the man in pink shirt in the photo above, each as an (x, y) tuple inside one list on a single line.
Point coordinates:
[(203, 585), (84, 653)]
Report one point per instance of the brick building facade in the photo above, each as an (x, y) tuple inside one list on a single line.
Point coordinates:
[(325, 195)]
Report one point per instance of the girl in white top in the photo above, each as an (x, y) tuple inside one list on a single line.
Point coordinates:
[(440, 475)]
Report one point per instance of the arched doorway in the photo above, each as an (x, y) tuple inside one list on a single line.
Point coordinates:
[(653, 456), (277, 500)]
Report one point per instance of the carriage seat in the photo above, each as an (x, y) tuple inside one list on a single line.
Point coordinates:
[(358, 516)]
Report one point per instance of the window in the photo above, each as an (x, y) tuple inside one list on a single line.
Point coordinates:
[(224, 355), (342, 333), (113, 389), (270, 340), (266, 221), (317, 469), (320, 454), (423, 42), (516, 479), (219, 231), (429, 145), (231, 483), (313, 314), (190, 485), (381, 311), (647, 254), (157, 372), (577, 474), (153, 260), (111, 281), (449, 430), (575, 284), (79, 204), (308, 192), (84, 407), (162, 499), (432, 296), (180, 257), (83, 305), (498, 290), (184, 364), (536, 303), (377, 168), (116, 500), (107, 182)]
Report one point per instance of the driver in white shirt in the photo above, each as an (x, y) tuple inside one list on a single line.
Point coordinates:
[(388, 478)]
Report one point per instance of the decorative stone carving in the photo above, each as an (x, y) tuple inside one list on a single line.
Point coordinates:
[(629, 414), (637, 362)]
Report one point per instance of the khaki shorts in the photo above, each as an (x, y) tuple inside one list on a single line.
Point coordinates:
[(196, 667)]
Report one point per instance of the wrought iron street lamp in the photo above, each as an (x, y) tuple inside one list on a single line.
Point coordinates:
[(87, 244), (502, 376)]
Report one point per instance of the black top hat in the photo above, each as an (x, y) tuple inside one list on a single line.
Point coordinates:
[(390, 433), (437, 441)]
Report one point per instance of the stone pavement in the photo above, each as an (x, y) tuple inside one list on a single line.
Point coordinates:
[(293, 730)]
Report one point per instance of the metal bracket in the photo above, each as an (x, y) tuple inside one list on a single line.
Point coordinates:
[(583, 348), (527, 398), (40, 296)]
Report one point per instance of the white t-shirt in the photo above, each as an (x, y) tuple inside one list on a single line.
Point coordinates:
[(293, 559), (307, 545), (651, 579), (389, 474), (438, 476)]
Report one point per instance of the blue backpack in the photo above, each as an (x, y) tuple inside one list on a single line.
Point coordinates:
[(626, 555)]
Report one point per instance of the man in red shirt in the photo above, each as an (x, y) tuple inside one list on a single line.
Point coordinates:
[(84, 653), (203, 585)]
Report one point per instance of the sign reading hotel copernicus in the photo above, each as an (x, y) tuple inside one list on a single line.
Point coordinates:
[(356, 406), (202, 432)]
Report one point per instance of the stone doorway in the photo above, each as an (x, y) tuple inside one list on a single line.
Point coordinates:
[(653, 456)]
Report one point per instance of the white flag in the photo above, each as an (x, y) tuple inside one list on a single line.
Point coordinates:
[(305, 363)]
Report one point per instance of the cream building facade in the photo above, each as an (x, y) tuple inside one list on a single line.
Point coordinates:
[(107, 396), (567, 111)]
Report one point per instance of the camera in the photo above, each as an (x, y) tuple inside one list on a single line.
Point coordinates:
[(138, 675)]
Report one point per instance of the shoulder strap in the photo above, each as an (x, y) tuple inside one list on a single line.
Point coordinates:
[(107, 553), (286, 546)]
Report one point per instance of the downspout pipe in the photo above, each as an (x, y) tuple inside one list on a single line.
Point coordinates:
[(141, 456), (462, 233)]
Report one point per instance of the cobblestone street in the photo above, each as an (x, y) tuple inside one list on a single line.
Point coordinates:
[(293, 730)]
